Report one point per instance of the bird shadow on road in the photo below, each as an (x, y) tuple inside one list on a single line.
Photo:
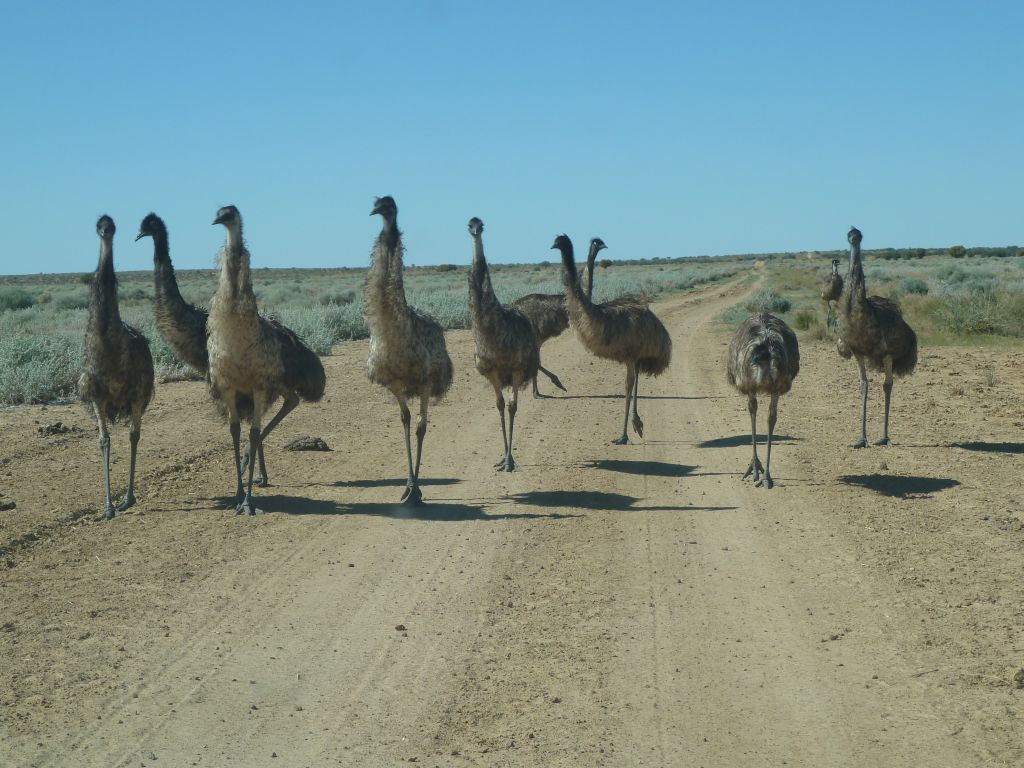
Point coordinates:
[(443, 510), (394, 482), (649, 468), (902, 487), (990, 447), (642, 397), (600, 500), (735, 441)]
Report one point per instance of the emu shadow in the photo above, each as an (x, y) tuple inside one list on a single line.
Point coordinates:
[(395, 482), (736, 441), (649, 468), (901, 487), (598, 501), (990, 447), (642, 397), (440, 511)]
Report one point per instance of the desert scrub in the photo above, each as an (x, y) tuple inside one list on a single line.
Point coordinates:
[(38, 369), (768, 301), (12, 298)]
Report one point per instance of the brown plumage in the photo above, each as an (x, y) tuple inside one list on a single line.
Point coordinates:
[(549, 318), (251, 356), (872, 329), (831, 290), (507, 354), (408, 355), (117, 371), (624, 330), (764, 358)]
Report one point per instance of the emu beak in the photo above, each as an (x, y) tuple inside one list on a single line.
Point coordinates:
[(139, 236)]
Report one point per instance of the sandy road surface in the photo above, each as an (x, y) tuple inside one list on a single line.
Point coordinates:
[(606, 605)]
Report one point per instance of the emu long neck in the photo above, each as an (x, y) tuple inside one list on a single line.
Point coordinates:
[(235, 277), (570, 277), (103, 308), (165, 284), (591, 258), (385, 284), (481, 292), (855, 278)]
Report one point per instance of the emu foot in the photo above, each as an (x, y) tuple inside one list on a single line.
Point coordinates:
[(638, 425), (108, 512), (413, 497), (862, 443), (246, 507), (508, 464), (765, 481), (755, 469), (883, 441), (128, 501), (621, 440)]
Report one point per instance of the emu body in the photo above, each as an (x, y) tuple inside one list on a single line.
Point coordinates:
[(117, 370), (408, 355), (872, 329), (507, 354), (624, 330), (763, 359)]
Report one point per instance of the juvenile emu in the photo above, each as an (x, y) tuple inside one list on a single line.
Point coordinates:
[(183, 325), (117, 372), (408, 355), (764, 358), (872, 329), (506, 350), (831, 290), (251, 356), (624, 330)]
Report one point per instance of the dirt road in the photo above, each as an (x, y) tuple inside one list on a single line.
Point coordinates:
[(605, 606)]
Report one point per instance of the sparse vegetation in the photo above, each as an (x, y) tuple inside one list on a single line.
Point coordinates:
[(42, 318)]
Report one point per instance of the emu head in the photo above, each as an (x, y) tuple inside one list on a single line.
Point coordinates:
[(562, 243), (476, 227), (105, 227), (854, 236), (596, 244), (151, 226), (385, 206), (835, 265), (229, 217)]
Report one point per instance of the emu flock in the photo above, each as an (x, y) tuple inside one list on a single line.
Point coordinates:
[(251, 361)]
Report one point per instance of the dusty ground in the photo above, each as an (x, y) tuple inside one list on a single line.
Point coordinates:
[(607, 605)]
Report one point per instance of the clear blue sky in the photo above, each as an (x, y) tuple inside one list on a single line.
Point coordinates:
[(668, 129)]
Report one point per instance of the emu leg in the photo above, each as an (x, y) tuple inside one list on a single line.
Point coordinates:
[(259, 405), (108, 506), (502, 463), (755, 467), (410, 482), (133, 437), (863, 442), (630, 381), (236, 433), (263, 479), (773, 412), (416, 495), (638, 424), (550, 375), (887, 388), (510, 463)]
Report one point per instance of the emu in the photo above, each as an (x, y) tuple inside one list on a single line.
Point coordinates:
[(117, 371), (764, 358), (408, 355)]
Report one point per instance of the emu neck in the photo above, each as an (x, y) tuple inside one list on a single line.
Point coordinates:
[(385, 288), (570, 277), (235, 278), (165, 284), (591, 258), (855, 278), (103, 309)]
